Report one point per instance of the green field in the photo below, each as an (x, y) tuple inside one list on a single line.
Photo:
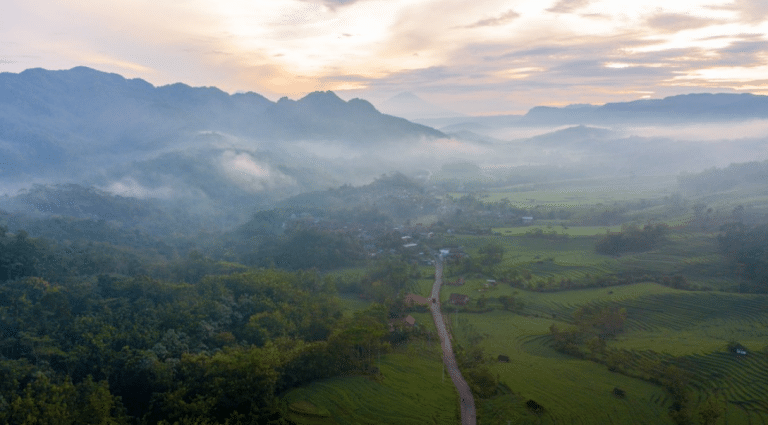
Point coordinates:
[(412, 391), (559, 229), (693, 254), (662, 324), (581, 193)]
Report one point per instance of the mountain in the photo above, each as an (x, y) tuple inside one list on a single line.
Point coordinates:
[(61, 120), (698, 107), (415, 108)]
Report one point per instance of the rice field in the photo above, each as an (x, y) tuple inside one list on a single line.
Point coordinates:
[(571, 391), (412, 391), (664, 325), (559, 229)]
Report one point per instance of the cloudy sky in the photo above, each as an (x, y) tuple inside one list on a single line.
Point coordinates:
[(478, 57)]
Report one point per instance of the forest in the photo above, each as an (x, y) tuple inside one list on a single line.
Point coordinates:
[(212, 342)]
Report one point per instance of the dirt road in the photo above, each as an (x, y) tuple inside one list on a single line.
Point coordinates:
[(465, 394)]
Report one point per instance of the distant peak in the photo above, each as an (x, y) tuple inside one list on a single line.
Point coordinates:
[(322, 95)]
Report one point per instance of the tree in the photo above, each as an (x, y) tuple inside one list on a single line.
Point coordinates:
[(491, 254)]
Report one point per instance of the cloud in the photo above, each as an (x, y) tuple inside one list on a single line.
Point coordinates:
[(502, 19), (673, 22), (744, 53), (568, 6), (333, 4), (131, 188), (751, 11), (250, 175)]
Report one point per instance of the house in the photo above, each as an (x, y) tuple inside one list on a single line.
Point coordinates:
[(458, 299), (406, 322), (414, 300)]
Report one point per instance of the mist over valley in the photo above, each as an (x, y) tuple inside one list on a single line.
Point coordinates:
[(177, 254)]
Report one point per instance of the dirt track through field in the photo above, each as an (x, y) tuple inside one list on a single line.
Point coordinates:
[(467, 401)]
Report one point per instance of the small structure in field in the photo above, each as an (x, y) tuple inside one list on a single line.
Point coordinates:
[(412, 300), (534, 407), (618, 392), (406, 322), (458, 299), (503, 359), (736, 348), (527, 220)]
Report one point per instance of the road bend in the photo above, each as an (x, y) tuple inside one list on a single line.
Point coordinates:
[(467, 401)]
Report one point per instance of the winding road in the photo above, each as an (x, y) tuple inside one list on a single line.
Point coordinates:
[(465, 394)]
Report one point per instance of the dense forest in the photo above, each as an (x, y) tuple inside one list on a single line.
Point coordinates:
[(212, 342)]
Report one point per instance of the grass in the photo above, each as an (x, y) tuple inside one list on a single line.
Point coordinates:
[(412, 392), (664, 324), (693, 254), (351, 303), (571, 391), (559, 229), (581, 193)]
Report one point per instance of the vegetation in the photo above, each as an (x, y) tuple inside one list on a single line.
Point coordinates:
[(747, 250), (287, 318), (632, 239)]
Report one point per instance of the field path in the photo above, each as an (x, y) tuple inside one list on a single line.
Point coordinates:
[(465, 394)]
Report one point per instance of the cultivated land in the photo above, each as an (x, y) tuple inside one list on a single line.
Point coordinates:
[(664, 326), (412, 390)]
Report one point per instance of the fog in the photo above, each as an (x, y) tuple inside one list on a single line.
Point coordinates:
[(220, 157)]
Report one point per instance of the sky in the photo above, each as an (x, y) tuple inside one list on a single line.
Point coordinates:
[(479, 58)]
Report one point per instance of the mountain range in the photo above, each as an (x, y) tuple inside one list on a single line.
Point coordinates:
[(212, 154), (52, 119)]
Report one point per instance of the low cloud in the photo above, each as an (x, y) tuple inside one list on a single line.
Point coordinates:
[(131, 188), (250, 174)]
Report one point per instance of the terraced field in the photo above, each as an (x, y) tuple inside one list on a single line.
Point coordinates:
[(412, 391), (571, 391), (664, 326)]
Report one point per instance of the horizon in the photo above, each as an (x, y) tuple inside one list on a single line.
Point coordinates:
[(485, 58), (377, 104)]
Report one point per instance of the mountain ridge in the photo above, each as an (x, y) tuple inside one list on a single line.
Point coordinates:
[(692, 107)]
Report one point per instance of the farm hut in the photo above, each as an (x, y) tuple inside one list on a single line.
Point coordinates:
[(458, 299), (503, 359), (737, 349), (413, 300), (407, 321)]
